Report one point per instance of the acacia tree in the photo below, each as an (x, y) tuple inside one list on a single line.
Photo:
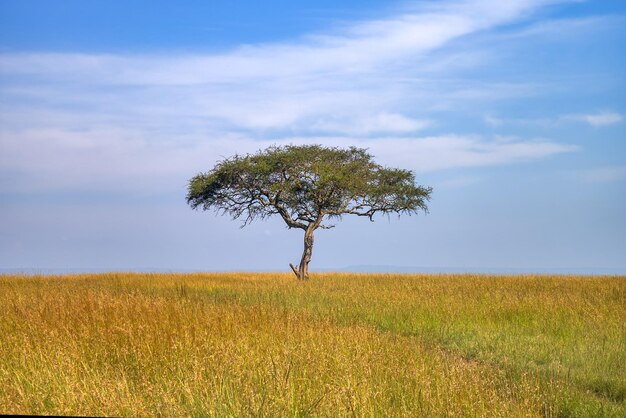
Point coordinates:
[(307, 186)]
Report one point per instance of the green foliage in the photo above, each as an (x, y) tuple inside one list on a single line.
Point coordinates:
[(304, 185)]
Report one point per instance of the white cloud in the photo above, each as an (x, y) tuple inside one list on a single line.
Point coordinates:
[(390, 123), (145, 122), (356, 49), (594, 119), (598, 119), (493, 121), (433, 153), (362, 75), (123, 161)]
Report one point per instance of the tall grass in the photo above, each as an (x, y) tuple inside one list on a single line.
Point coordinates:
[(340, 344)]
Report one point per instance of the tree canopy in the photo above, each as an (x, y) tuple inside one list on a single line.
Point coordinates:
[(308, 186)]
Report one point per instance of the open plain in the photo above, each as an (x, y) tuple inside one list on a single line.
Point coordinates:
[(240, 344)]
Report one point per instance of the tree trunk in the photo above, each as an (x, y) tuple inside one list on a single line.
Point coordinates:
[(302, 272)]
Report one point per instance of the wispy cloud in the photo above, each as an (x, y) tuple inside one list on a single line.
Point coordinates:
[(375, 124), (597, 119), (354, 49), (146, 121), (600, 119), (124, 161)]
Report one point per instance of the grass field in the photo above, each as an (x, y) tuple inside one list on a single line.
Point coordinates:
[(340, 344)]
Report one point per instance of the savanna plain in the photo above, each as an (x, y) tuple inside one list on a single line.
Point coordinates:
[(241, 344)]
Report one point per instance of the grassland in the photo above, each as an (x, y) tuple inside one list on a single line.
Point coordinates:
[(340, 344)]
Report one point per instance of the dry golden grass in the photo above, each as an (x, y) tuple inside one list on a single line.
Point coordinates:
[(340, 344)]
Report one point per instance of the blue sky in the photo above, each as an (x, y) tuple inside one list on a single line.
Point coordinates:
[(514, 112)]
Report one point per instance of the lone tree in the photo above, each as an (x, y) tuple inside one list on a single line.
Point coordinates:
[(307, 186)]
